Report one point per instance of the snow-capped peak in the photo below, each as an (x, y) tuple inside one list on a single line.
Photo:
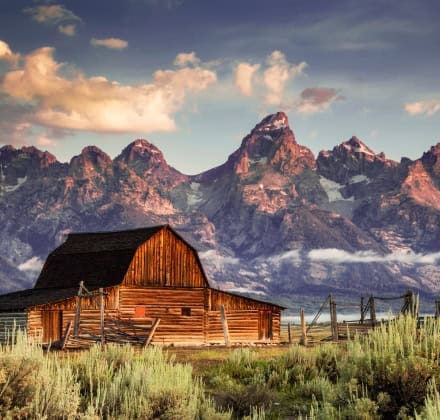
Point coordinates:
[(273, 122)]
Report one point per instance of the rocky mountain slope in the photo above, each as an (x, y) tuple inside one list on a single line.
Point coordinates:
[(272, 219)]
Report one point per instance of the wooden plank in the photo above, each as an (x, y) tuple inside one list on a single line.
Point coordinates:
[(151, 333), (78, 308), (101, 307), (224, 325), (66, 337)]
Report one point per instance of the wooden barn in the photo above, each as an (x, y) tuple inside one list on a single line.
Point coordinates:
[(145, 278)]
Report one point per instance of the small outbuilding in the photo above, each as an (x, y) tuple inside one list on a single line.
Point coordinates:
[(131, 279)]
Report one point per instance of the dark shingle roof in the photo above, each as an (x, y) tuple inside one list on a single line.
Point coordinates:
[(23, 299), (99, 259)]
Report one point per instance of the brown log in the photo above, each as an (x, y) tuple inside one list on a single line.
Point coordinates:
[(152, 331)]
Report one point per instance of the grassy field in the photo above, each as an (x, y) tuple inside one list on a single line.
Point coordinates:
[(391, 373)]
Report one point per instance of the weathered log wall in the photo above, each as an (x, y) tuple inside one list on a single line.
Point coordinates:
[(42, 320), (187, 315), (165, 260), (181, 312), (244, 327)]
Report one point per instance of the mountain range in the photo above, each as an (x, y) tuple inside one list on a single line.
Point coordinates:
[(273, 220)]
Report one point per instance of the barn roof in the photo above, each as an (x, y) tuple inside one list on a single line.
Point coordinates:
[(17, 301), (99, 259)]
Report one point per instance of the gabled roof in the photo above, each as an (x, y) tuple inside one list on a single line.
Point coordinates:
[(99, 259), (18, 301)]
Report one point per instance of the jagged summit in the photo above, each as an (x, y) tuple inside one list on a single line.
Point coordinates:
[(273, 122), (357, 146), (351, 158), (141, 149), (92, 155), (270, 145), (431, 161), (145, 159), (89, 162)]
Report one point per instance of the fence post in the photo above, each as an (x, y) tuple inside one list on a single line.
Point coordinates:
[(101, 309), (333, 319), (78, 309), (224, 325), (289, 334), (372, 310), (437, 308), (303, 328), (362, 310)]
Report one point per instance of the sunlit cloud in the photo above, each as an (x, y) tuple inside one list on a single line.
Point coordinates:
[(98, 104), (112, 43), (68, 30), (276, 75), (316, 99), (7, 55), (339, 256), (51, 14), (185, 59), (217, 261), (34, 264), (244, 73), (45, 141), (428, 107)]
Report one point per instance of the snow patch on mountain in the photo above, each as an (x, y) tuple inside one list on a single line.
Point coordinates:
[(11, 188), (358, 179), (332, 190)]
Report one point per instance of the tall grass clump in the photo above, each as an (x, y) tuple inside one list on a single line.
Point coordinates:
[(121, 383), (395, 363), (431, 410), (116, 382), (34, 385), (385, 374)]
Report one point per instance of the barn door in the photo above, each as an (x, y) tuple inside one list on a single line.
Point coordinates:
[(265, 325), (52, 325)]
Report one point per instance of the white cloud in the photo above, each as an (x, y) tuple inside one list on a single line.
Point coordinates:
[(339, 256), (34, 264), (52, 14), (6, 54), (217, 261), (68, 30), (184, 59), (428, 107), (44, 140), (112, 43), (98, 104), (316, 99), (276, 75), (293, 255), (244, 73)]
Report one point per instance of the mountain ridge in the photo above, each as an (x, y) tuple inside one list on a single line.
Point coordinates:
[(256, 219)]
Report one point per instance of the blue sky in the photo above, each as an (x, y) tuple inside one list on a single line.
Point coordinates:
[(194, 76)]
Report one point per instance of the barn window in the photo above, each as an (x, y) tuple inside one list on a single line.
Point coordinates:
[(140, 312), (186, 311)]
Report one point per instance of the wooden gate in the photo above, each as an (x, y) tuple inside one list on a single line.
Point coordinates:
[(52, 325), (265, 326)]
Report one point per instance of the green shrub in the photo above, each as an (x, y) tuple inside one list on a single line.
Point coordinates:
[(110, 383)]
